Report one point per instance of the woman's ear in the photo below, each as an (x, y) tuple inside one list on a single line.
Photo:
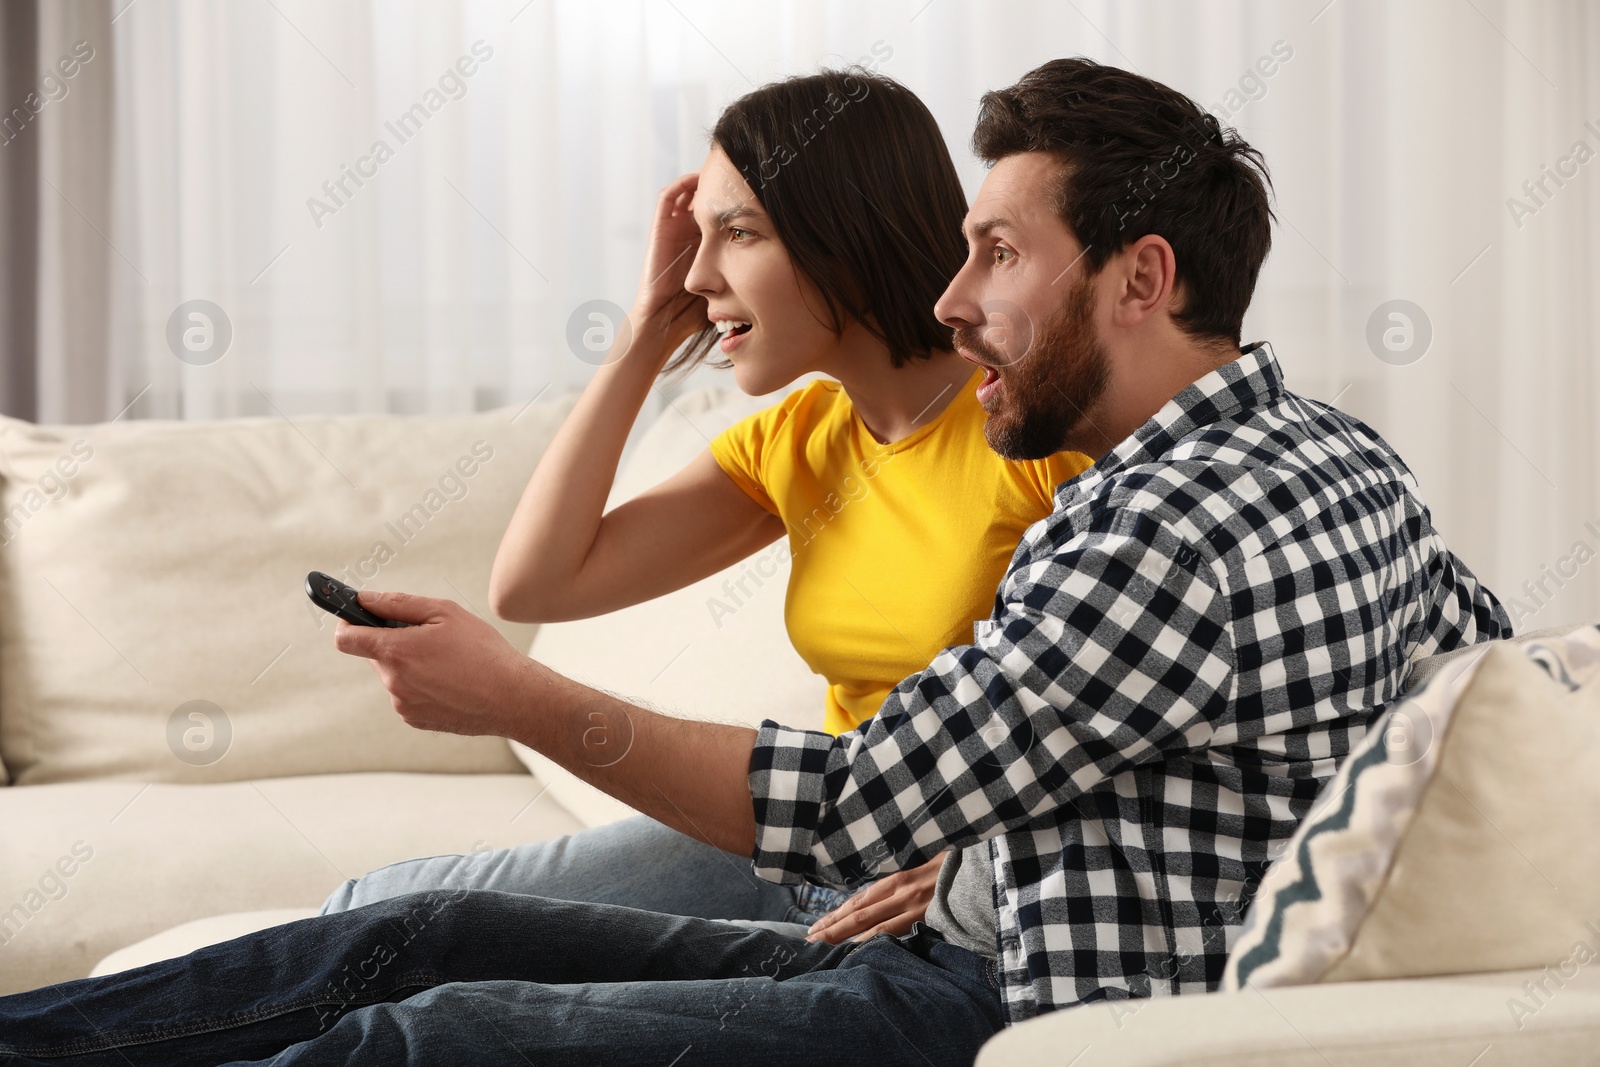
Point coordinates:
[(1147, 275)]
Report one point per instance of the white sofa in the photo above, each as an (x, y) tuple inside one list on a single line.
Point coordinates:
[(148, 566), (165, 568)]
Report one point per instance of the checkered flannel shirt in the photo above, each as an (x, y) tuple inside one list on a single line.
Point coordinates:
[(1180, 655)]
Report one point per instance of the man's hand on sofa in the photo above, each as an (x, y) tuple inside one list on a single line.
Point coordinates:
[(888, 906), (451, 671)]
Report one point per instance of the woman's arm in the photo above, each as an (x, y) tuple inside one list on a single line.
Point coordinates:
[(561, 557), (567, 562)]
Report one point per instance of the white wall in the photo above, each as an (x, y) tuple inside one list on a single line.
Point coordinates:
[(1396, 134)]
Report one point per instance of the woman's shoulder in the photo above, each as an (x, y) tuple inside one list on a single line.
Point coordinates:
[(1062, 466), (801, 410), (782, 428), (1042, 477), (816, 396)]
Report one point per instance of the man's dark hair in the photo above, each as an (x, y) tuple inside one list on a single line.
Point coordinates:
[(1141, 158), (855, 175)]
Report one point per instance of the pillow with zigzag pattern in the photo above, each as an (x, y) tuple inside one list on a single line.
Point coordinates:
[(1458, 837)]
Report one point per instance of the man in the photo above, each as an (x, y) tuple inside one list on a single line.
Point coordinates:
[(1180, 655)]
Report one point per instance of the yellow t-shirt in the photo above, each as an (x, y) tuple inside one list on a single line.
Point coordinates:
[(897, 549)]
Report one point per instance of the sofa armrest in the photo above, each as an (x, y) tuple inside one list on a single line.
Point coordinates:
[(1413, 1022)]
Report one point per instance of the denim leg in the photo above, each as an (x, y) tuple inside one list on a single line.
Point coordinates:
[(488, 977), (881, 1005), (636, 863)]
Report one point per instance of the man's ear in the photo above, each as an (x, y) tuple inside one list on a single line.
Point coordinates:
[(1146, 277)]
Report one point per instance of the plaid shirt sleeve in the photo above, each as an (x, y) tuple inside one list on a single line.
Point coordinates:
[(1464, 613), (1111, 650)]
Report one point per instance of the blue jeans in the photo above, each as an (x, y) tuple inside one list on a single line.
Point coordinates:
[(487, 978), (637, 863)]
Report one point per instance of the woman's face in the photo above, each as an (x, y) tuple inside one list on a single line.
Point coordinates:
[(746, 276)]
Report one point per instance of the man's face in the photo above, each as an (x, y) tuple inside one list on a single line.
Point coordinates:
[(1023, 307)]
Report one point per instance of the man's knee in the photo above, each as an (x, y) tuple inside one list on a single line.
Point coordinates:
[(461, 909), (430, 913)]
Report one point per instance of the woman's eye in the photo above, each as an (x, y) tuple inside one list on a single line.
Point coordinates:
[(1002, 254), (735, 233)]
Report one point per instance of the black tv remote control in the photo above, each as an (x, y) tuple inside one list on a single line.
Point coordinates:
[(333, 596)]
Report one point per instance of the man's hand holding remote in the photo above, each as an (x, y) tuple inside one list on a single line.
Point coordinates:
[(453, 672), (448, 670)]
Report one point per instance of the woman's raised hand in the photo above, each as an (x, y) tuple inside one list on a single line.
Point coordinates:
[(674, 236)]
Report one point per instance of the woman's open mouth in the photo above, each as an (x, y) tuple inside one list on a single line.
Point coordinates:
[(733, 332)]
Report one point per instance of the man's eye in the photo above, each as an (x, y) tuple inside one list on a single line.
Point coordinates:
[(1002, 254)]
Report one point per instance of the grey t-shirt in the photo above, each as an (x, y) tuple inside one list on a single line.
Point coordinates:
[(962, 908)]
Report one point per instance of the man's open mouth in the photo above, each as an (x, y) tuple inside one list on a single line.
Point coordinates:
[(991, 382)]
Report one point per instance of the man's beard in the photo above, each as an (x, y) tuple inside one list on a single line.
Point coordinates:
[(1045, 394)]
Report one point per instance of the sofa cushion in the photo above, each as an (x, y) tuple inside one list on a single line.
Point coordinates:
[(1449, 841), (153, 623), (87, 868), (717, 649), (186, 937), (1416, 1022)]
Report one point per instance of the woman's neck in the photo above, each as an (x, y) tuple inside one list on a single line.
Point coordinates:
[(894, 401)]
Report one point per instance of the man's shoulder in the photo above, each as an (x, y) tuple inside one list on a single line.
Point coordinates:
[(1250, 473)]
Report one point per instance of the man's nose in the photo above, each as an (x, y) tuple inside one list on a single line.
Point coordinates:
[(958, 306)]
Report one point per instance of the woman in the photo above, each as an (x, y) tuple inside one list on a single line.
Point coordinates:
[(823, 226)]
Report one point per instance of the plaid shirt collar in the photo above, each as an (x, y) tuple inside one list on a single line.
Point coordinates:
[(1252, 380)]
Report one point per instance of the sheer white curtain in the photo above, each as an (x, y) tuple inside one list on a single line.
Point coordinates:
[(1399, 136)]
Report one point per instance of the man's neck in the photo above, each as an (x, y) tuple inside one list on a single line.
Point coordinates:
[(1142, 381)]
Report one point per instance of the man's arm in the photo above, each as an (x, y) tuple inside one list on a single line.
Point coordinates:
[(1116, 650), (693, 776), (1460, 610), (452, 671)]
